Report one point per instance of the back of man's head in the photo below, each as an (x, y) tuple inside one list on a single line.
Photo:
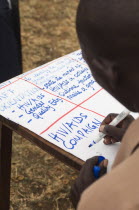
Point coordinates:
[(108, 32), (109, 28)]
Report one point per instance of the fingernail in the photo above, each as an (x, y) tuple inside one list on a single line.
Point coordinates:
[(105, 163), (105, 141), (113, 141), (100, 159), (96, 171), (101, 128)]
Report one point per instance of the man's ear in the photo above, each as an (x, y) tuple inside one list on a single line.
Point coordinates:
[(108, 69)]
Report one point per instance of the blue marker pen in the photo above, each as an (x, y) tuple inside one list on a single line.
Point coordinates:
[(100, 159), (96, 169)]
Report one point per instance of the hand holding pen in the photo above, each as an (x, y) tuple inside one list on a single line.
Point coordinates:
[(114, 133), (93, 169), (108, 129)]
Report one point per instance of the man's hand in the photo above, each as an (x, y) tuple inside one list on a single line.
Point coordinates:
[(114, 134), (87, 176)]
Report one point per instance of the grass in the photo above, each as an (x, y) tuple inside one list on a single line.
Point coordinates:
[(39, 181)]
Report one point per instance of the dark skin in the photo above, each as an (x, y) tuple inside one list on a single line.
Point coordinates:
[(86, 178), (114, 134), (108, 33)]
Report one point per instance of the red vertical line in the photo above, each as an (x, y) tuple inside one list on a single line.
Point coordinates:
[(42, 68), (69, 112), (66, 99), (91, 96), (49, 92), (58, 120)]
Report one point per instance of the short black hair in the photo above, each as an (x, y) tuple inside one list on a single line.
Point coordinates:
[(109, 28)]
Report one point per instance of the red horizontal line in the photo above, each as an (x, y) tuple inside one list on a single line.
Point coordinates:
[(34, 71), (60, 96), (91, 96), (41, 68), (48, 92), (58, 120), (92, 111), (64, 98), (54, 62), (64, 116), (10, 84), (71, 111), (79, 105), (48, 64)]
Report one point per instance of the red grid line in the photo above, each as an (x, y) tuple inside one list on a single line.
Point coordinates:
[(78, 61), (48, 64), (34, 71), (65, 98), (42, 68), (71, 111), (10, 84), (48, 91), (79, 105)]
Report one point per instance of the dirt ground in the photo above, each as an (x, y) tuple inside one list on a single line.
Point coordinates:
[(39, 181)]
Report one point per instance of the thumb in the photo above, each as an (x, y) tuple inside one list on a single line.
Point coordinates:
[(103, 167), (103, 171), (112, 131)]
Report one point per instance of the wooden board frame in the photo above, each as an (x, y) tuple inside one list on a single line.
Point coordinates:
[(6, 129)]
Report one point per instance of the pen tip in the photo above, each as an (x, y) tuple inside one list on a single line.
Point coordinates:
[(90, 145)]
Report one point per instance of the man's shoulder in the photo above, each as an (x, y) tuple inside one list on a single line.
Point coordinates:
[(132, 133), (116, 190)]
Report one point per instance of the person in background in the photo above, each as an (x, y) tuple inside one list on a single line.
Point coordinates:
[(10, 65), (108, 33)]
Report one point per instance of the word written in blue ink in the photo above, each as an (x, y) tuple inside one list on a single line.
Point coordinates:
[(68, 128), (10, 99), (35, 107)]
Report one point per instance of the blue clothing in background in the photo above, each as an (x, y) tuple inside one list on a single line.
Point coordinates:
[(9, 62)]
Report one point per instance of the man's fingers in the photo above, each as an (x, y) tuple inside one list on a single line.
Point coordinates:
[(109, 118), (87, 167), (112, 131), (103, 167), (100, 169), (109, 140), (113, 140), (91, 161), (103, 171), (104, 163)]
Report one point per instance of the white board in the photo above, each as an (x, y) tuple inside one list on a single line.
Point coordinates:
[(61, 102)]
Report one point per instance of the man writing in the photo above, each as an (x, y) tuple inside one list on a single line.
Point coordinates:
[(108, 32)]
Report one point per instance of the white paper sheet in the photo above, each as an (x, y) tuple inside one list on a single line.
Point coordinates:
[(61, 102)]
